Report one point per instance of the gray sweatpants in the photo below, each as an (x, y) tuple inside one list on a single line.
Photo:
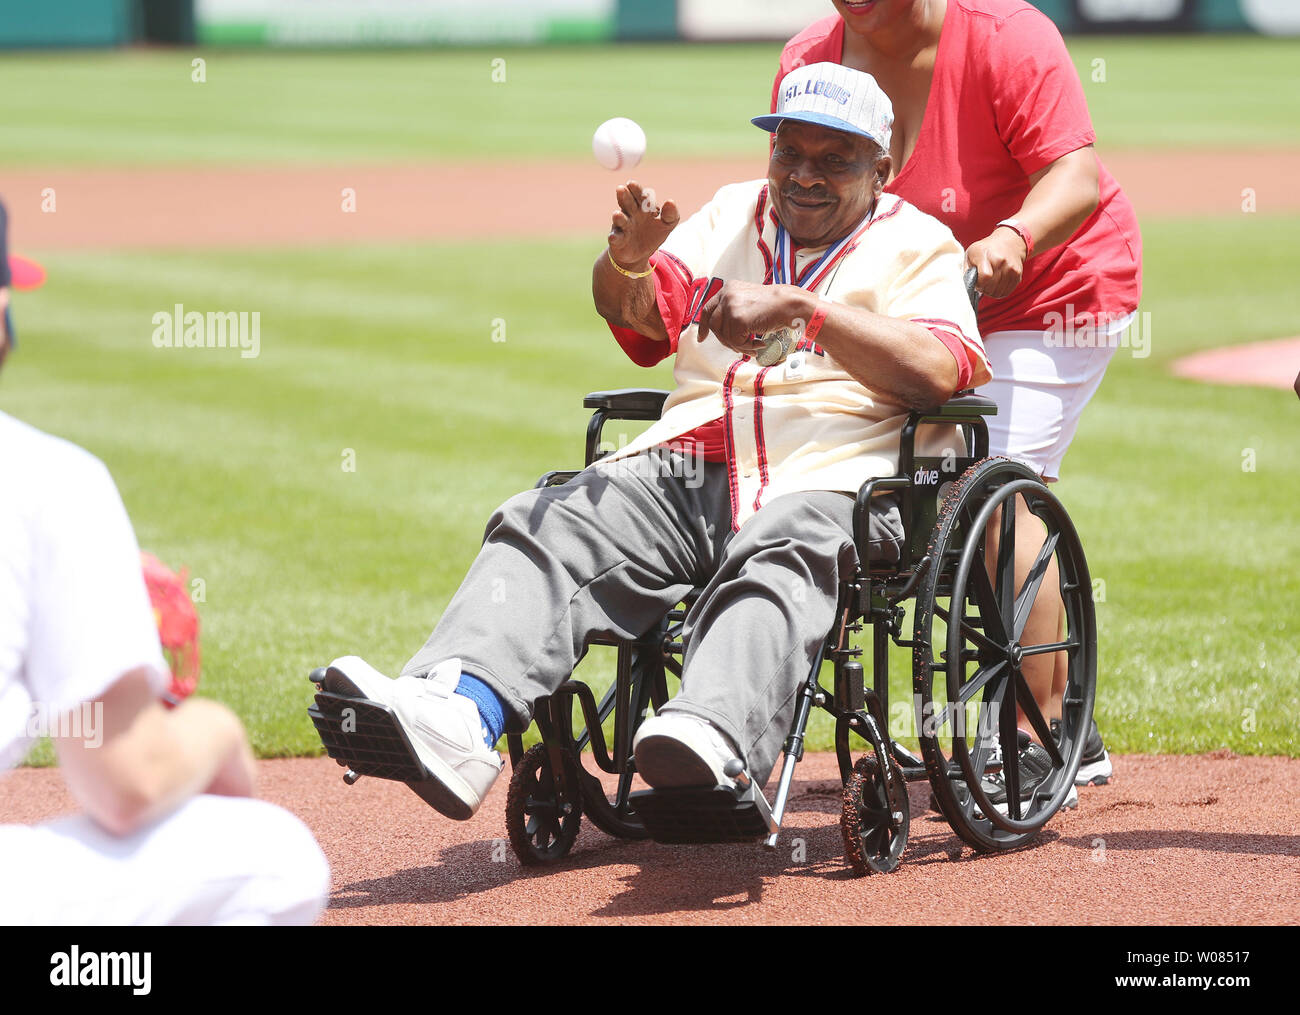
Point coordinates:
[(612, 550)]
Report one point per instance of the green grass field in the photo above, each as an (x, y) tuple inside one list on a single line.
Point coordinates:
[(135, 108), (384, 355)]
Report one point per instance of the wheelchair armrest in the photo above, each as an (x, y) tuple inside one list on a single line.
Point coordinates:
[(965, 409), (628, 403), (963, 405), (624, 403)]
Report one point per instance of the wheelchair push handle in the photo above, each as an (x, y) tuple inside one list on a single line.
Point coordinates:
[(970, 278)]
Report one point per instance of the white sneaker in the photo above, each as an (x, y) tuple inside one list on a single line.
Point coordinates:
[(444, 728), (677, 750)]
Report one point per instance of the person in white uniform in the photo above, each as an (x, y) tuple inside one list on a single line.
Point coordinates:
[(168, 832)]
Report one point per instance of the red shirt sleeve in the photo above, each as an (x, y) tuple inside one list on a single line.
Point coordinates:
[(1037, 97), (672, 282)]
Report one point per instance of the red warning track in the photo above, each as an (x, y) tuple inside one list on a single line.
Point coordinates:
[(1209, 839)]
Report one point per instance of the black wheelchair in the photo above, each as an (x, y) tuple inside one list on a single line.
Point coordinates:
[(971, 607)]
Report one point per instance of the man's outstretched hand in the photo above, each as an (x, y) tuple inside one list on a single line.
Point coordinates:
[(639, 226)]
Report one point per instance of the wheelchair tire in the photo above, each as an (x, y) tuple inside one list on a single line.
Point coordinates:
[(990, 615), (539, 832), (875, 818)]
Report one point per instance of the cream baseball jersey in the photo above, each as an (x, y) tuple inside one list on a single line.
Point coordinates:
[(805, 423)]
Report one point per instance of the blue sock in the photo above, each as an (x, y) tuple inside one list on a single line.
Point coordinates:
[(491, 709)]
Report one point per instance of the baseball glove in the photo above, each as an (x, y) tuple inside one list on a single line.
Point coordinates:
[(178, 626)]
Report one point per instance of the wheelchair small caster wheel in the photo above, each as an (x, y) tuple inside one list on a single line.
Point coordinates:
[(351, 777), (541, 827), (875, 818)]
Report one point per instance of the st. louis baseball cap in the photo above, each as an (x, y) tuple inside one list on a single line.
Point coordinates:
[(835, 96)]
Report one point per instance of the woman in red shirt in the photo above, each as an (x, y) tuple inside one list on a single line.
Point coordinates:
[(992, 136)]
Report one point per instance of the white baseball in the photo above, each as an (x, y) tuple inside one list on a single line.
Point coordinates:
[(618, 143)]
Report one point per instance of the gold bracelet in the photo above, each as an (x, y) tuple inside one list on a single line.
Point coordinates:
[(623, 271)]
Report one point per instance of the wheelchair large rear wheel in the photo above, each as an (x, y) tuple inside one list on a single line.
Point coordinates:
[(971, 651)]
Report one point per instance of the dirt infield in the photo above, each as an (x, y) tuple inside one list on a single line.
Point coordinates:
[(291, 206), (1206, 840)]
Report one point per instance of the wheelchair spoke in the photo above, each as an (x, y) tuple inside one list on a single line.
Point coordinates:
[(984, 743), (979, 680), (1010, 738), (983, 749), (974, 635), (941, 719), (543, 828), (1044, 649), (1033, 580), (1025, 698), (877, 840), (979, 639), (982, 678), (986, 597), (1006, 572)]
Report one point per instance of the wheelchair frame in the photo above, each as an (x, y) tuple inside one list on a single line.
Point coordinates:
[(550, 788)]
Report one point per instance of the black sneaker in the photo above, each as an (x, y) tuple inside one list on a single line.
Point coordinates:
[(1095, 768), (1035, 766)]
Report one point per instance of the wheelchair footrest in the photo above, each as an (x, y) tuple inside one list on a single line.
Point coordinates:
[(366, 736), (698, 815)]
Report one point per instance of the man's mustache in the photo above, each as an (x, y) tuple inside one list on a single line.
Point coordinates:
[(815, 194)]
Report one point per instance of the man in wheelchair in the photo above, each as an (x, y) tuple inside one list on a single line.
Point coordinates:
[(808, 313)]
